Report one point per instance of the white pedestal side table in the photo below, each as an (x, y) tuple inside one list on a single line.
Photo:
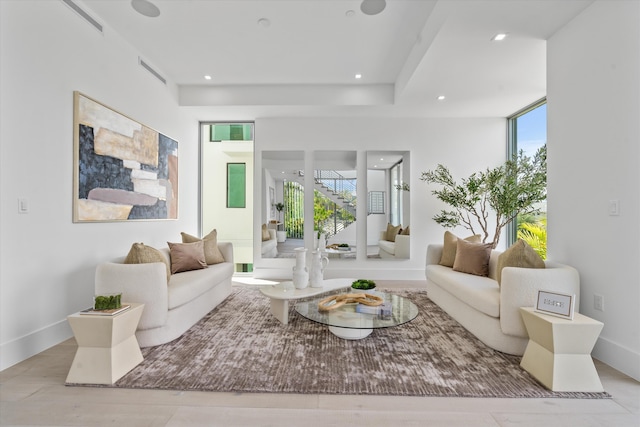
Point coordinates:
[(107, 346), (279, 297), (559, 351)]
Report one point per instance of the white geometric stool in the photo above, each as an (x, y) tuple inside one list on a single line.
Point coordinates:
[(559, 351)]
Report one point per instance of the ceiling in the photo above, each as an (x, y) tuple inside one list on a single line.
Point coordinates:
[(303, 59)]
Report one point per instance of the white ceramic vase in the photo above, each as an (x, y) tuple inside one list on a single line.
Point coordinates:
[(300, 271), (318, 264), (322, 242)]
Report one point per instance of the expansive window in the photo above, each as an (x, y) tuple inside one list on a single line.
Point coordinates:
[(528, 133), (395, 209)]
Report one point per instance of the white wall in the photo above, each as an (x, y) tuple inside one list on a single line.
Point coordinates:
[(47, 263), (232, 224), (594, 157), (464, 145)]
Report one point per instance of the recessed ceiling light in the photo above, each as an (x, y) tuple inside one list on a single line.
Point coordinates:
[(264, 22), (499, 37), (358, 76), (441, 98), (372, 7), (350, 13), (146, 8), (207, 77)]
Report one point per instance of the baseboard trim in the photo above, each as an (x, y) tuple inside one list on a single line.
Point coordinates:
[(618, 357), (22, 348)]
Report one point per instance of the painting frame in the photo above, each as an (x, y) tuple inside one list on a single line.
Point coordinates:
[(556, 304), (236, 185), (123, 170)]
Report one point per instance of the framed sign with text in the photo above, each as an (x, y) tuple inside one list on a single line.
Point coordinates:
[(556, 304)]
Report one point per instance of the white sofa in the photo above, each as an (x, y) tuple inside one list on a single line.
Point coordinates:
[(393, 250), (270, 247), (491, 311), (170, 308)]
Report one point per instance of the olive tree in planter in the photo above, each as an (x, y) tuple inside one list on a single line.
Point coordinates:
[(517, 187)]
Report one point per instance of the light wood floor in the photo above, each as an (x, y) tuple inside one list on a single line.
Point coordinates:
[(33, 393)]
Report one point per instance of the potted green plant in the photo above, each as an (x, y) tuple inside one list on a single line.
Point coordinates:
[(517, 187), (363, 285), (281, 235)]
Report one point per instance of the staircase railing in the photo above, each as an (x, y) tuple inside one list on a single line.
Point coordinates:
[(342, 192)]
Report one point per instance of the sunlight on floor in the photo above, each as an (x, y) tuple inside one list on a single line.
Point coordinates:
[(254, 281)]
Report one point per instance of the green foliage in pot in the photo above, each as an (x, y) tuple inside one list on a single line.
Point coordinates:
[(517, 187), (363, 284)]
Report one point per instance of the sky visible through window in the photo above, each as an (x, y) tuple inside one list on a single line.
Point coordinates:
[(532, 130)]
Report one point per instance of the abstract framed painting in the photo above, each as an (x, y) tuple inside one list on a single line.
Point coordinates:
[(123, 170)]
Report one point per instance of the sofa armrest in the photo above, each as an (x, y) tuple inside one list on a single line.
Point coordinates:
[(226, 248), (142, 283), (402, 246), (519, 288), (434, 253)]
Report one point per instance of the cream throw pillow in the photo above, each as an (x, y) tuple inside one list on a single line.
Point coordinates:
[(212, 253), (472, 258), (392, 232), (520, 254), (187, 256), (143, 254), (449, 247)]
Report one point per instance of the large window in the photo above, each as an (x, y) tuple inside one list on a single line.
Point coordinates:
[(528, 132)]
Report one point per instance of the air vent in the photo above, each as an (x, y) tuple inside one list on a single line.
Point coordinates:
[(85, 15), (151, 70)]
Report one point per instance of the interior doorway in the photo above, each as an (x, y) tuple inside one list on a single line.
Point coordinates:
[(226, 187)]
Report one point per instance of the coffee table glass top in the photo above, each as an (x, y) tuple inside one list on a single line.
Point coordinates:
[(402, 311)]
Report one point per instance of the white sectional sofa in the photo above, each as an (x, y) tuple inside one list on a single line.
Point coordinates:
[(489, 310), (173, 305), (270, 247), (393, 250)]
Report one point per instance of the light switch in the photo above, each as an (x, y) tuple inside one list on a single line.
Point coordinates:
[(23, 205), (614, 207)]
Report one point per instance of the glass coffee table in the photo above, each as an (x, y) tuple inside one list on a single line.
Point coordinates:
[(346, 323)]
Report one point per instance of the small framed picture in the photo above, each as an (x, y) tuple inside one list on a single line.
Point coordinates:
[(556, 304)]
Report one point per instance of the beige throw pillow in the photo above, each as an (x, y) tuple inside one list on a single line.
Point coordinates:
[(143, 254), (472, 258), (520, 254), (265, 233), (392, 232), (212, 253), (450, 245), (405, 231), (187, 256)]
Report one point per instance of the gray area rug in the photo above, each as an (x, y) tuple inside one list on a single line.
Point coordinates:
[(241, 347)]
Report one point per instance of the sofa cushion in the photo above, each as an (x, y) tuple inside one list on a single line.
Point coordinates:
[(212, 253), (189, 285), (265, 233), (143, 254), (520, 254), (472, 258), (187, 256), (388, 247), (449, 247), (392, 232), (479, 292)]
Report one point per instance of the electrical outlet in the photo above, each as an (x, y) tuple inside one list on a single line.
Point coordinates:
[(614, 207), (23, 205), (598, 302)]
